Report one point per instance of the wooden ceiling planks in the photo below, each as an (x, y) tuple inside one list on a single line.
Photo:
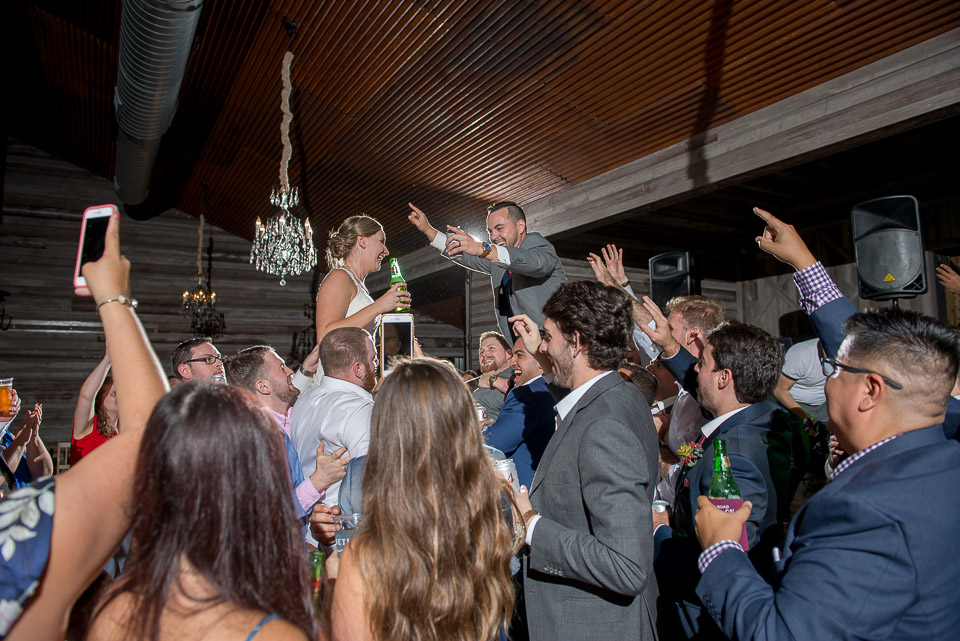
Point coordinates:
[(449, 104)]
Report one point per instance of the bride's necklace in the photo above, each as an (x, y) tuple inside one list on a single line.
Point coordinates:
[(357, 277)]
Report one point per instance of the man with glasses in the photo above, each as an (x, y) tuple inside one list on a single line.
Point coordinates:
[(872, 554), (736, 372), (197, 359), (523, 266)]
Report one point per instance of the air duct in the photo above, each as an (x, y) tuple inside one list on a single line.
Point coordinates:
[(155, 41)]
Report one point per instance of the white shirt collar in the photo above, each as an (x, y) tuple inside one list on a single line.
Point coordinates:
[(567, 402), (329, 382), (531, 380), (711, 426)]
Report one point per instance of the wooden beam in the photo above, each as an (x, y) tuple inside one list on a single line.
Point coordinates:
[(921, 83)]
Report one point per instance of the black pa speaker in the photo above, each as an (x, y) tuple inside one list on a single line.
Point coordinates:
[(672, 274), (889, 248)]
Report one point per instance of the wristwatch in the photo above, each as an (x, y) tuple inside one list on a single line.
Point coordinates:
[(487, 248)]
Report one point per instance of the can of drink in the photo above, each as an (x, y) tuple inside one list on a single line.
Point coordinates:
[(481, 412), (660, 506), (508, 469)]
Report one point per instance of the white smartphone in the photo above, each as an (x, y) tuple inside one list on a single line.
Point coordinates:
[(396, 340), (93, 231)]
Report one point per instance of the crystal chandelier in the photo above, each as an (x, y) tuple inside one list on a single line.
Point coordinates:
[(201, 303), (283, 245)]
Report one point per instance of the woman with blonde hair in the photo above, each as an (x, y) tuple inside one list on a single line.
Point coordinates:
[(431, 558), (354, 249)]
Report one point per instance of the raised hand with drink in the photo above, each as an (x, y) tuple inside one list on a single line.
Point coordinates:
[(396, 278)]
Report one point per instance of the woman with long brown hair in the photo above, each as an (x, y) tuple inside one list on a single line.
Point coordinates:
[(96, 418), (431, 559), (215, 547)]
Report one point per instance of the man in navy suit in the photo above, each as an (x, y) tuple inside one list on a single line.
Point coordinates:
[(526, 421), (738, 370), (871, 555)]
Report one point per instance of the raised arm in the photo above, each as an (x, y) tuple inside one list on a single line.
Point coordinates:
[(83, 414), (38, 458), (419, 220), (13, 453), (524, 327), (94, 498)]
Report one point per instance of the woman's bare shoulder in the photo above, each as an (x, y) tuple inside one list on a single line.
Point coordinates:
[(112, 621), (279, 630)]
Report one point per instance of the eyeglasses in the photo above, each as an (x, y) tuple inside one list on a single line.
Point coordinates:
[(207, 360), (831, 368)]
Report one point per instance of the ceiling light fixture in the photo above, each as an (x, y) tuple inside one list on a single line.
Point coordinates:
[(284, 245), (201, 303)]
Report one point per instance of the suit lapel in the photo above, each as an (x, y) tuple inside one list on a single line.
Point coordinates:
[(598, 388), (743, 416)]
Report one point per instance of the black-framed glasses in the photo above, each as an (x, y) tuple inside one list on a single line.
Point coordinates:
[(831, 367), (207, 360)]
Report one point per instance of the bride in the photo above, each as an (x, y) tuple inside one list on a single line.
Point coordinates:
[(354, 250)]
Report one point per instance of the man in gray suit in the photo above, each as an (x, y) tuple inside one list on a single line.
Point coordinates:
[(588, 514), (524, 268)]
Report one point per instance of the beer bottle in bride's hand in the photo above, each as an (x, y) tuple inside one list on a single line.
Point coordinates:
[(724, 492), (397, 277)]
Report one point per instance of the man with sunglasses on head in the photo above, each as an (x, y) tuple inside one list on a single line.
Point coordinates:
[(523, 266), (197, 359), (872, 554)]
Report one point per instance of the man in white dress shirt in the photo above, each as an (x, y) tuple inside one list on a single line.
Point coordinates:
[(337, 411)]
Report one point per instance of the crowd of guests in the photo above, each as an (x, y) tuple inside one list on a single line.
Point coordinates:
[(214, 492)]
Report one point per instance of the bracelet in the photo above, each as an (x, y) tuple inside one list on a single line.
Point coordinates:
[(528, 515), (308, 374), (625, 283), (123, 300)]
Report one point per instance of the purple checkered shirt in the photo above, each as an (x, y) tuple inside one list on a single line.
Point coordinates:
[(712, 552), (853, 458), (816, 288)]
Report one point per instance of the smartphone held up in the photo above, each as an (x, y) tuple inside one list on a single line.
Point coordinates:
[(93, 231), (396, 340)]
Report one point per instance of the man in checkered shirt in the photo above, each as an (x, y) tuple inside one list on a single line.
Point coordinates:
[(873, 554)]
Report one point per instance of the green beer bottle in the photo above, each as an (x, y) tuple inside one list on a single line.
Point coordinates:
[(396, 277), (724, 492), (316, 567), (723, 485)]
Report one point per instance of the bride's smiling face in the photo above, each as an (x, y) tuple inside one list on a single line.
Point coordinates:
[(373, 249)]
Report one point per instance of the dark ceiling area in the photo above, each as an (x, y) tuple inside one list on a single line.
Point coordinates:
[(816, 197), (455, 104)]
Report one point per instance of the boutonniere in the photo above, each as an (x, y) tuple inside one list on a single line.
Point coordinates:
[(690, 453)]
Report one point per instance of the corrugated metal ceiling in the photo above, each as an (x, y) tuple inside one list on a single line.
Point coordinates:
[(451, 105)]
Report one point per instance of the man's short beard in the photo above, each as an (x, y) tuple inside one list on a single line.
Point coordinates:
[(369, 379), (495, 367), (563, 368), (287, 393)]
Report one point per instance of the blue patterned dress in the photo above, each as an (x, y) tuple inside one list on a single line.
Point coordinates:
[(26, 524)]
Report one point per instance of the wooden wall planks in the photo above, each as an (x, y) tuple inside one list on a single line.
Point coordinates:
[(55, 338)]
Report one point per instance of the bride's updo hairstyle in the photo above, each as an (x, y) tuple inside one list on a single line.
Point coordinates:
[(344, 238)]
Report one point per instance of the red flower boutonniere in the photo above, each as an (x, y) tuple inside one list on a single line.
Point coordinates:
[(690, 453)]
